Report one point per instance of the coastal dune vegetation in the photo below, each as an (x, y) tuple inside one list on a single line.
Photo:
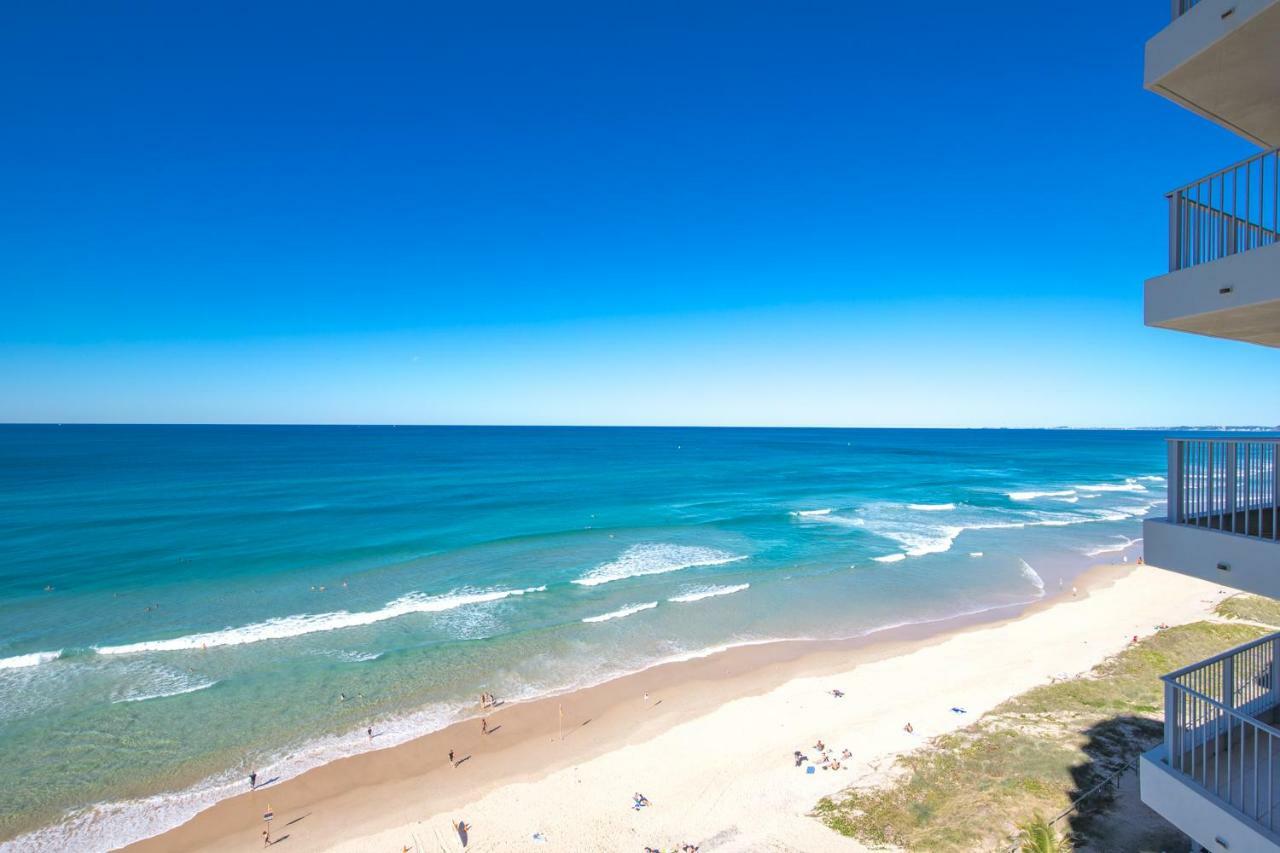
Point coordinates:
[(1067, 750)]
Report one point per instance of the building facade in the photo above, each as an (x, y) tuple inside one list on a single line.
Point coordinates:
[(1216, 776)]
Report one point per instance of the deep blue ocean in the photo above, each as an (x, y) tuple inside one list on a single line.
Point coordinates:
[(180, 604)]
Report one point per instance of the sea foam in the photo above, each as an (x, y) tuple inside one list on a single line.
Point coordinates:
[(285, 627), (838, 520), (655, 559), (1120, 546), (1129, 485), (33, 659), (162, 694), (621, 613), (348, 656), (111, 825), (708, 592), (1032, 575), (909, 526), (1030, 496)]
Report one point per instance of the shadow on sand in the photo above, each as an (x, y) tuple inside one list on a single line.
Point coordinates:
[(1109, 813)]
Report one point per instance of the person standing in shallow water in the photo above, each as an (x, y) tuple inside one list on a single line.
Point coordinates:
[(253, 780)]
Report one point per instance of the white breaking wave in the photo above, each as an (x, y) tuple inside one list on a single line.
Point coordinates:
[(152, 680), (655, 559), (708, 592), (1033, 576), (890, 558), (931, 507), (1151, 479), (975, 553), (116, 824), (109, 826), (1123, 545), (917, 536), (349, 656), (625, 611), (810, 513), (360, 657), (1086, 490), (177, 691), (285, 627), (1138, 510), (1090, 516), (1030, 496), (921, 540), (33, 659), (1129, 485), (840, 520)]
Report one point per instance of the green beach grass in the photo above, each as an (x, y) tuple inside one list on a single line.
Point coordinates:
[(1035, 753), (1250, 608)]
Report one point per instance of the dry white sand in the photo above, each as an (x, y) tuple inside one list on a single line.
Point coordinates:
[(726, 779)]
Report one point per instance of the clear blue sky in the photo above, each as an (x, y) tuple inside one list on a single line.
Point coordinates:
[(826, 213)]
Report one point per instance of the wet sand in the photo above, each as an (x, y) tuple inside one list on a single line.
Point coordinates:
[(566, 766)]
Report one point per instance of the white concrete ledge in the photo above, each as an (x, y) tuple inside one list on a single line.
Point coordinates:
[(1253, 565), (1193, 299), (1219, 59), (1211, 823)]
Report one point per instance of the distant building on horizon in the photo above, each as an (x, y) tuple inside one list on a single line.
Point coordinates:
[(1216, 776)]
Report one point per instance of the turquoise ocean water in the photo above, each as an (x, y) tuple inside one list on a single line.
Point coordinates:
[(179, 605)]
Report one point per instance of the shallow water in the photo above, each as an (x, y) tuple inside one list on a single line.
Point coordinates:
[(180, 605)]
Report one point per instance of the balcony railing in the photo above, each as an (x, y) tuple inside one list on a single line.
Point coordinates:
[(1216, 728), (1181, 7), (1231, 485), (1226, 213)]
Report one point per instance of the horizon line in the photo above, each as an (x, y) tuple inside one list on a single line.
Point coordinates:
[(397, 425)]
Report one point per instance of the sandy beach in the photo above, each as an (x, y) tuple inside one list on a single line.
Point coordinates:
[(433, 427), (711, 745)]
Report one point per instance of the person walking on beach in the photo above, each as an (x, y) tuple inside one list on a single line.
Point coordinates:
[(266, 837), (484, 725), (451, 761), (253, 780)]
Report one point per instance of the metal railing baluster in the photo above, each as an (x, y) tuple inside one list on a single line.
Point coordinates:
[(1231, 485), (1227, 691), (1203, 228)]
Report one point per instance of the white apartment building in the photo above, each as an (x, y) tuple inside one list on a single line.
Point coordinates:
[(1217, 774)]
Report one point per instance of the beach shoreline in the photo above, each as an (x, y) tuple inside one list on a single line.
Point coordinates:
[(353, 799), (341, 603)]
